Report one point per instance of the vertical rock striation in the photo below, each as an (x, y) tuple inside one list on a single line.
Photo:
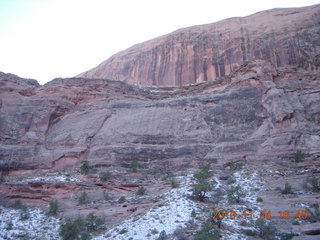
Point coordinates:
[(285, 37)]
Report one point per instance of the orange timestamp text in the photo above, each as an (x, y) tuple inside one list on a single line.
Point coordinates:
[(302, 214)]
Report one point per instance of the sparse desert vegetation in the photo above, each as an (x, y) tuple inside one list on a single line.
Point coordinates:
[(287, 189), (218, 139)]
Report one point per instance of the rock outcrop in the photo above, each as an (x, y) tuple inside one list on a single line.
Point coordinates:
[(258, 117), (285, 37), (255, 113)]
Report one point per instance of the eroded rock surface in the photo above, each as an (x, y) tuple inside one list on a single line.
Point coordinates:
[(256, 112), (258, 116), (285, 37)]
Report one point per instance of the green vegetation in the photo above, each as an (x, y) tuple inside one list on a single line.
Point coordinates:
[(235, 194), (249, 233), (234, 165), (203, 172), (169, 173), (287, 236), (174, 184), (164, 178), (218, 195), (18, 205), (123, 231), (231, 180), (202, 186), (200, 190), (162, 235), (295, 222), (299, 156), (193, 213), (154, 231), (265, 229), (314, 213), (312, 184), (105, 176), (85, 168), (207, 232), (53, 208), (122, 199), (259, 199), (141, 191), (24, 214), (83, 199), (287, 189), (93, 222), (74, 230), (106, 195), (2, 179), (180, 234), (134, 166), (79, 229), (9, 226), (155, 171)]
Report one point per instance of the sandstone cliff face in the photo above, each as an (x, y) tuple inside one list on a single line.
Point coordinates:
[(256, 113), (285, 37)]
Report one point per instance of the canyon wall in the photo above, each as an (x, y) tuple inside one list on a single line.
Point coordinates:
[(257, 113), (285, 37)]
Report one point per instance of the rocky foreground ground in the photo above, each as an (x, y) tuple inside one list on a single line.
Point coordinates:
[(169, 208)]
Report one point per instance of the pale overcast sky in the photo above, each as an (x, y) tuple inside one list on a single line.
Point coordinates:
[(45, 39)]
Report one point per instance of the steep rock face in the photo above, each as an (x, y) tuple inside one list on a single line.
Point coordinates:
[(285, 37), (257, 113)]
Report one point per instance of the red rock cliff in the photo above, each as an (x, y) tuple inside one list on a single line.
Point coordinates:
[(202, 53)]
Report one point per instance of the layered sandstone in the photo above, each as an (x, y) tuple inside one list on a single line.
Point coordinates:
[(256, 113), (258, 116), (285, 37)]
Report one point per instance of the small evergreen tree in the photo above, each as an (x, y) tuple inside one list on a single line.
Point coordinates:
[(85, 168), (163, 235), (53, 208), (299, 156), (313, 183), (266, 229), (314, 215), (24, 214), (93, 223), (141, 191), (235, 194), (78, 229), (202, 186), (105, 176), (106, 195), (193, 213), (208, 232), (122, 199), (287, 189), (174, 184), (200, 190), (83, 198), (9, 226), (2, 179), (74, 230), (18, 204), (134, 166)]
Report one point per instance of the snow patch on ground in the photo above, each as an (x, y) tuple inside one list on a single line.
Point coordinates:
[(175, 213), (251, 183), (38, 226), (57, 178)]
